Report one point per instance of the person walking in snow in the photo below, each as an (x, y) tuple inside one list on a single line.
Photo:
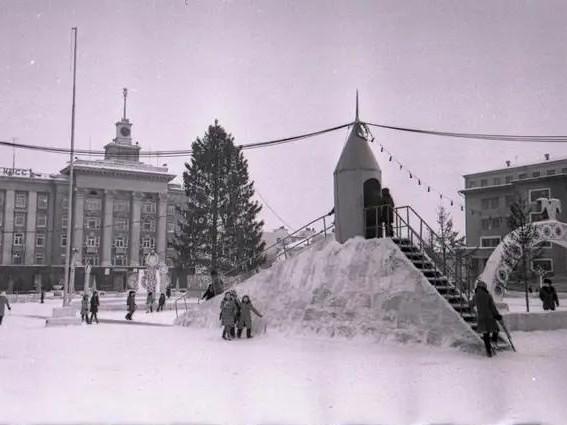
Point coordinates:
[(209, 293), (150, 302), (131, 304), (85, 308), (548, 295), (237, 315), (161, 302), (95, 302), (245, 319), (3, 304), (487, 316), (228, 315)]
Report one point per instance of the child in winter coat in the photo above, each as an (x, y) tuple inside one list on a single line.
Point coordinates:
[(85, 308), (245, 320), (3, 303), (228, 315), (131, 303), (161, 302), (95, 302), (150, 302), (548, 296)]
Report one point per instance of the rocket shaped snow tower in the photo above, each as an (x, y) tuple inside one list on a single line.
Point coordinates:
[(357, 180)]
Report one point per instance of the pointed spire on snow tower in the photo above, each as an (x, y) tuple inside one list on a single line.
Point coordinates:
[(356, 117)]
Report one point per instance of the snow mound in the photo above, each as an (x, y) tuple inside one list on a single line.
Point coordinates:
[(362, 288)]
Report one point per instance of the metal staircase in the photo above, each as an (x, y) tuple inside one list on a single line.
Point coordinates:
[(418, 241)]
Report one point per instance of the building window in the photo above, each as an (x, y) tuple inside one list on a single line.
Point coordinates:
[(17, 258), (41, 220), (18, 239), (91, 260), (148, 243), (523, 176), (508, 179), (483, 182), (534, 194), (64, 221), (65, 203), (149, 225), (497, 181), (92, 241), (171, 227), (550, 172), (21, 200), (471, 183), (119, 260), (121, 205), (93, 204), (491, 223), (149, 208), (489, 203), (39, 259), (544, 244), (171, 210), (489, 241), (63, 241), (542, 264), (42, 201), (19, 219), (536, 174), (40, 241), (120, 242), (564, 170), (121, 224), (93, 223)]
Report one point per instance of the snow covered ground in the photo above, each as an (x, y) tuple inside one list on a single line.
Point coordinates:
[(119, 373)]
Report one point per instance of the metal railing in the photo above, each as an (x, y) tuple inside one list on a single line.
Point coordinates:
[(290, 245)]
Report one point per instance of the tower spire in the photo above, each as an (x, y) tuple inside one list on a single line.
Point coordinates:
[(356, 117), (125, 93)]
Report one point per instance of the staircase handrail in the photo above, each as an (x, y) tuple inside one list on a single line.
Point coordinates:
[(265, 250)]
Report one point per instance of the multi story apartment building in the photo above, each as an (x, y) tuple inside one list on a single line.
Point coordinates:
[(122, 209), (488, 196)]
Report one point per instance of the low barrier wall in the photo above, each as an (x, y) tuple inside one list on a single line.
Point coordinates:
[(536, 321)]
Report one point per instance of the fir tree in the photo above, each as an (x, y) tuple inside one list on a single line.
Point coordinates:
[(447, 242), (220, 229)]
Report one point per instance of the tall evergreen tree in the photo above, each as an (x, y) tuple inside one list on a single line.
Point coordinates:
[(220, 229)]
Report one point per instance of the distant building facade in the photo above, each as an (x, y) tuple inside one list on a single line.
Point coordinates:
[(123, 209), (488, 196)]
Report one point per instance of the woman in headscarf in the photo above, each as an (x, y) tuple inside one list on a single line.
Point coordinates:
[(487, 315)]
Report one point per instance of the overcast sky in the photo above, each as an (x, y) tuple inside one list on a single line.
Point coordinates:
[(274, 69)]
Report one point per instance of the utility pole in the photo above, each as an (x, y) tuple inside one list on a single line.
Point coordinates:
[(68, 254)]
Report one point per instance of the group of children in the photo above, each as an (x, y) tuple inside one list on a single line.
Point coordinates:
[(131, 303), (89, 305), (235, 315)]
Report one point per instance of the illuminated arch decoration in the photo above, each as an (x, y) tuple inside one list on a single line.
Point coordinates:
[(496, 272)]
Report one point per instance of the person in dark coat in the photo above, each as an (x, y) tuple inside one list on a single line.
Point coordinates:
[(548, 296), (487, 315), (168, 292), (131, 303), (387, 212), (95, 302), (228, 315), (42, 296), (245, 319), (161, 302), (85, 308), (3, 304), (209, 293), (237, 315)]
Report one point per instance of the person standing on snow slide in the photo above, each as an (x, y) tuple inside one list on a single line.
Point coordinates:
[(3, 304), (487, 315), (245, 320), (387, 212)]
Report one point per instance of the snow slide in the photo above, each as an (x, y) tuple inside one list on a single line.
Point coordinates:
[(362, 288)]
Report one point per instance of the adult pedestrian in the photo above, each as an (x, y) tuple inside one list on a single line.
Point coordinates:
[(3, 304), (387, 212), (95, 302), (487, 316), (150, 302), (227, 316), (131, 304), (209, 293), (548, 295), (245, 319)]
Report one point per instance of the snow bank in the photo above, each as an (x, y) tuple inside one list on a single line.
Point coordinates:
[(363, 289)]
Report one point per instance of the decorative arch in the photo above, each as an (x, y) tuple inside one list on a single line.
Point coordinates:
[(496, 272)]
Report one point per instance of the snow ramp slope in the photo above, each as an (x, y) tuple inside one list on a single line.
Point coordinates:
[(362, 288)]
